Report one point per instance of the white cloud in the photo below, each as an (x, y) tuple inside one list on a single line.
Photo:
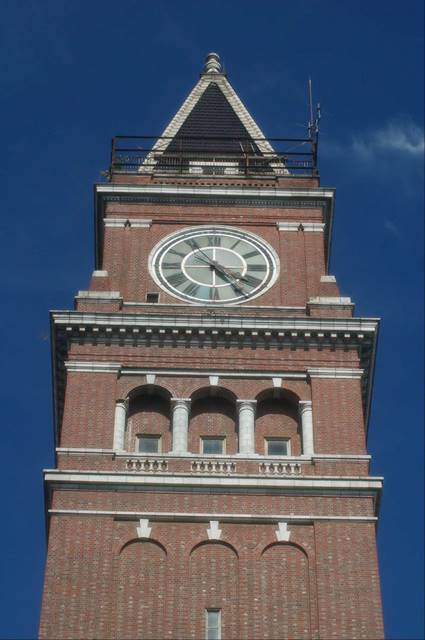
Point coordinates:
[(402, 137), (397, 137)]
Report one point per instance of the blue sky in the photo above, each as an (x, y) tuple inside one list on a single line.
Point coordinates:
[(75, 73)]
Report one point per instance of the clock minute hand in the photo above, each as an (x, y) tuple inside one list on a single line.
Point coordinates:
[(228, 275)]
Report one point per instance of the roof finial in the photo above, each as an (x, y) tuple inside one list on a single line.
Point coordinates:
[(212, 63)]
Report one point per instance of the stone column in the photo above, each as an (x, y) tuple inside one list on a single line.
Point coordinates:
[(306, 414), (180, 423), (120, 425), (246, 410)]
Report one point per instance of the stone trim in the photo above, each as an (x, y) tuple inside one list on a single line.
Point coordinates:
[(323, 372), (92, 367), (109, 296), (327, 279), (327, 483), (247, 324), (272, 192), (300, 226), (136, 223), (167, 516), (201, 457), (330, 301)]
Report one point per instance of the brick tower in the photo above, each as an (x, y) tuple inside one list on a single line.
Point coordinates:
[(212, 391)]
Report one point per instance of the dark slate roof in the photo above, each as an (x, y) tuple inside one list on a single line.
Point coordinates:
[(212, 117)]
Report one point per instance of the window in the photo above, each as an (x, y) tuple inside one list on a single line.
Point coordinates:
[(149, 444), (213, 624), (152, 298), (277, 447), (211, 445)]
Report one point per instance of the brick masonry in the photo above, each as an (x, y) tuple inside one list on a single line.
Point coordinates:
[(102, 579)]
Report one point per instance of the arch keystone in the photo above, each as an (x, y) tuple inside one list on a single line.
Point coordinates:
[(144, 530), (214, 533), (282, 533)]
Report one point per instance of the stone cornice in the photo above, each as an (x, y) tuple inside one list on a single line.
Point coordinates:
[(247, 518), (261, 192), (110, 479), (203, 329), (327, 457)]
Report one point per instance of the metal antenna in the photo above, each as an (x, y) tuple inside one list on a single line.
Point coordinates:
[(310, 104)]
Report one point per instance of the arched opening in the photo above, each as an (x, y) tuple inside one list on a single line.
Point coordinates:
[(277, 427), (212, 429), (148, 420)]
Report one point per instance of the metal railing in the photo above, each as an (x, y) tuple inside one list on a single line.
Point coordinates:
[(212, 156)]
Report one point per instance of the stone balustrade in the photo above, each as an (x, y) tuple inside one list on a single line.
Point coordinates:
[(213, 466), (280, 468), (147, 464)]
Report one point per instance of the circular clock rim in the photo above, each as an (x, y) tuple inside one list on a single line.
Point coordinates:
[(181, 234)]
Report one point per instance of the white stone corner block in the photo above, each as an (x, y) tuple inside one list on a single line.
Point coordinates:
[(214, 380), (327, 279), (277, 382), (150, 378), (144, 530), (336, 301), (282, 533), (214, 533), (97, 273)]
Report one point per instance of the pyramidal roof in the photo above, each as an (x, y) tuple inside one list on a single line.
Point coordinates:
[(211, 119)]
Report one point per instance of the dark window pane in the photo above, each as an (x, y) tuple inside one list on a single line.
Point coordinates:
[(212, 445), (149, 444), (278, 447)]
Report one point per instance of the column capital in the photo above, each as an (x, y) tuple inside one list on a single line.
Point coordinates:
[(180, 402), (305, 405), (250, 403)]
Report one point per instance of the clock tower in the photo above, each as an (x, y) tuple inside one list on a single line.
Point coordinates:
[(212, 391)]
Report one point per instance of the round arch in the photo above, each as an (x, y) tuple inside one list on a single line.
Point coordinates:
[(205, 543), (135, 541)]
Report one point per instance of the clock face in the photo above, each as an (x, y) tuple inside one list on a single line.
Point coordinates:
[(214, 265)]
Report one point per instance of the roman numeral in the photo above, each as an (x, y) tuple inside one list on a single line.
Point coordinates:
[(191, 289), (235, 244), (257, 267), (252, 280), (192, 243), (171, 265), (214, 294), (177, 253), (251, 254), (215, 241), (176, 279)]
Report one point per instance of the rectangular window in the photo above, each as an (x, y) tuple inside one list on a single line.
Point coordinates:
[(152, 298), (212, 445), (149, 444), (213, 624), (277, 447)]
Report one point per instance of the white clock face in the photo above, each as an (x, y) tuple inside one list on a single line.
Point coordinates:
[(214, 265)]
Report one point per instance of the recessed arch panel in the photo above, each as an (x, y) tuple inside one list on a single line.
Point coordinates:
[(284, 592), (214, 578)]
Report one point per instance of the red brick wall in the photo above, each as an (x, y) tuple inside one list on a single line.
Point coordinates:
[(101, 581)]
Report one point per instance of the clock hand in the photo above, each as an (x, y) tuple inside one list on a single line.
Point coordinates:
[(228, 275)]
